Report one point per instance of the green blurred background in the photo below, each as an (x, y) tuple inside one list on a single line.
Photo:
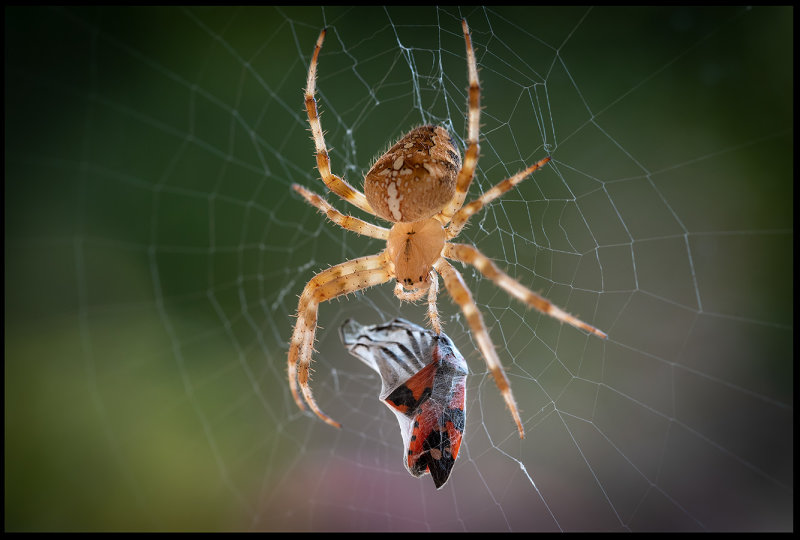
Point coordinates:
[(154, 253)]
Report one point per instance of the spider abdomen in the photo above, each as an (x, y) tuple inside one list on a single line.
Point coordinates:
[(416, 177)]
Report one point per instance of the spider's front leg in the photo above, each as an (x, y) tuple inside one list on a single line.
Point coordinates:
[(350, 276), (460, 293), (433, 311)]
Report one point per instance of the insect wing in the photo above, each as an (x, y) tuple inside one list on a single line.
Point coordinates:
[(409, 397), (396, 350), (423, 380), (439, 421)]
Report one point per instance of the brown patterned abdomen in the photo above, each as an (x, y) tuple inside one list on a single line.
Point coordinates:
[(416, 178)]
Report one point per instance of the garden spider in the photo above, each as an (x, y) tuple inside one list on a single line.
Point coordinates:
[(419, 185)]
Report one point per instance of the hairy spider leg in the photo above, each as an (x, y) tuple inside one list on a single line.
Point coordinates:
[(467, 171), (470, 255), (336, 184), (350, 276), (460, 294), (463, 215)]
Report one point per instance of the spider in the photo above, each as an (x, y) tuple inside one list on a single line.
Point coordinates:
[(419, 185)]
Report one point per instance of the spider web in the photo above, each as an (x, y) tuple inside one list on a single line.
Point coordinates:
[(155, 254)]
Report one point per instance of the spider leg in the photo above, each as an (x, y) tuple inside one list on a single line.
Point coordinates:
[(470, 255), (341, 279), (460, 293), (433, 311), (338, 185), (464, 178), (416, 294), (463, 215), (346, 222)]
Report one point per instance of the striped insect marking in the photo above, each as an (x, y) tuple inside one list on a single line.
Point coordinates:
[(423, 379)]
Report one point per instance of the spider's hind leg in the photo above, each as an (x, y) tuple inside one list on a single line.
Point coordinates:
[(470, 162), (336, 184)]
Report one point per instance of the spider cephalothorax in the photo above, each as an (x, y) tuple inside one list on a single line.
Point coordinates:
[(419, 185), (411, 250)]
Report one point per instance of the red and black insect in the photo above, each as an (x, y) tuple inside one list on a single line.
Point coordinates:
[(423, 382)]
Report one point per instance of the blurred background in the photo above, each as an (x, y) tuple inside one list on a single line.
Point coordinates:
[(154, 255)]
